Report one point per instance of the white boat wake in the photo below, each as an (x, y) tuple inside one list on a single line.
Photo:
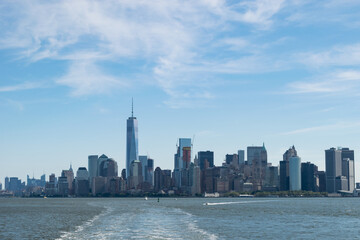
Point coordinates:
[(242, 202)]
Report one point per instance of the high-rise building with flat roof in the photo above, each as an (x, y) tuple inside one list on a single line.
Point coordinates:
[(241, 156), (333, 166), (93, 167), (295, 173), (131, 141), (144, 162), (308, 176), (284, 168), (348, 167), (206, 159)]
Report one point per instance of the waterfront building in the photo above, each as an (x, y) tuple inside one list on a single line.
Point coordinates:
[(7, 182), (123, 174), (108, 168), (182, 159), (341, 183), (308, 177), (113, 185), (257, 159), (144, 162), (322, 181), (149, 173), (69, 174), (271, 178), (135, 177), (162, 180), (15, 185), (295, 173), (284, 168), (333, 164), (206, 159), (63, 186), (241, 156), (348, 168), (98, 186), (51, 186), (102, 158), (195, 174), (131, 141), (82, 182), (32, 182), (232, 159), (93, 167)]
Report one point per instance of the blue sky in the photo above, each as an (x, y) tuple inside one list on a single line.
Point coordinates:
[(231, 73)]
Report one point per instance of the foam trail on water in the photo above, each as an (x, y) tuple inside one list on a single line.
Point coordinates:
[(242, 202)]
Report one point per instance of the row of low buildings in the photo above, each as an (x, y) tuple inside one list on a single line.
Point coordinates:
[(101, 177)]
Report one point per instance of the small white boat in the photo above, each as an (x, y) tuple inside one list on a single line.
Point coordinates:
[(146, 198)]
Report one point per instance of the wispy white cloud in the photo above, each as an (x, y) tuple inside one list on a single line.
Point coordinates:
[(346, 55), (334, 127), (336, 82), (21, 87), (87, 78), (169, 34)]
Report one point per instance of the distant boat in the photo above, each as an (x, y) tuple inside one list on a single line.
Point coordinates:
[(215, 195), (146, 198), (45, 197), (246, 196)]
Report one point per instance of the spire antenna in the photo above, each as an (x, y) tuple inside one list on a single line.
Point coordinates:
[(132, 107)]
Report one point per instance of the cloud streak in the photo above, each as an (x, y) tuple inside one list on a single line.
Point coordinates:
[(336, 126), (21, 87), (170, 35)]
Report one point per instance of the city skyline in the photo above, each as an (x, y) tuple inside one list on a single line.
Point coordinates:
[(233, 74)]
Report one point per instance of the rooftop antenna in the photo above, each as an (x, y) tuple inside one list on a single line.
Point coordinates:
[(132, 107)]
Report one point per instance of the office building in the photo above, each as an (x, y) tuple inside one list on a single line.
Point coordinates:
[(131, 141), (7, 182), (284, 168), (206, 159), (135, 177), (63, 186), (232, 159), (308, 177), (257, 160), (15, 185), (348, 168), (102, 158), (82, 182), (93, 167), (333, 165), (271, 178), (144, 162), (321, 175), (182, 159), (108, 168), (69, 174), (98, 186), (51, 186), (149, 173), (295, 173), (257, 155), (241, 156)]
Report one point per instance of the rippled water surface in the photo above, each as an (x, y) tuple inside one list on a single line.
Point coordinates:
[(221, 218)]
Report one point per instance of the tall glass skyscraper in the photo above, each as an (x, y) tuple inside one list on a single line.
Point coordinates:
[(131, 141)]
